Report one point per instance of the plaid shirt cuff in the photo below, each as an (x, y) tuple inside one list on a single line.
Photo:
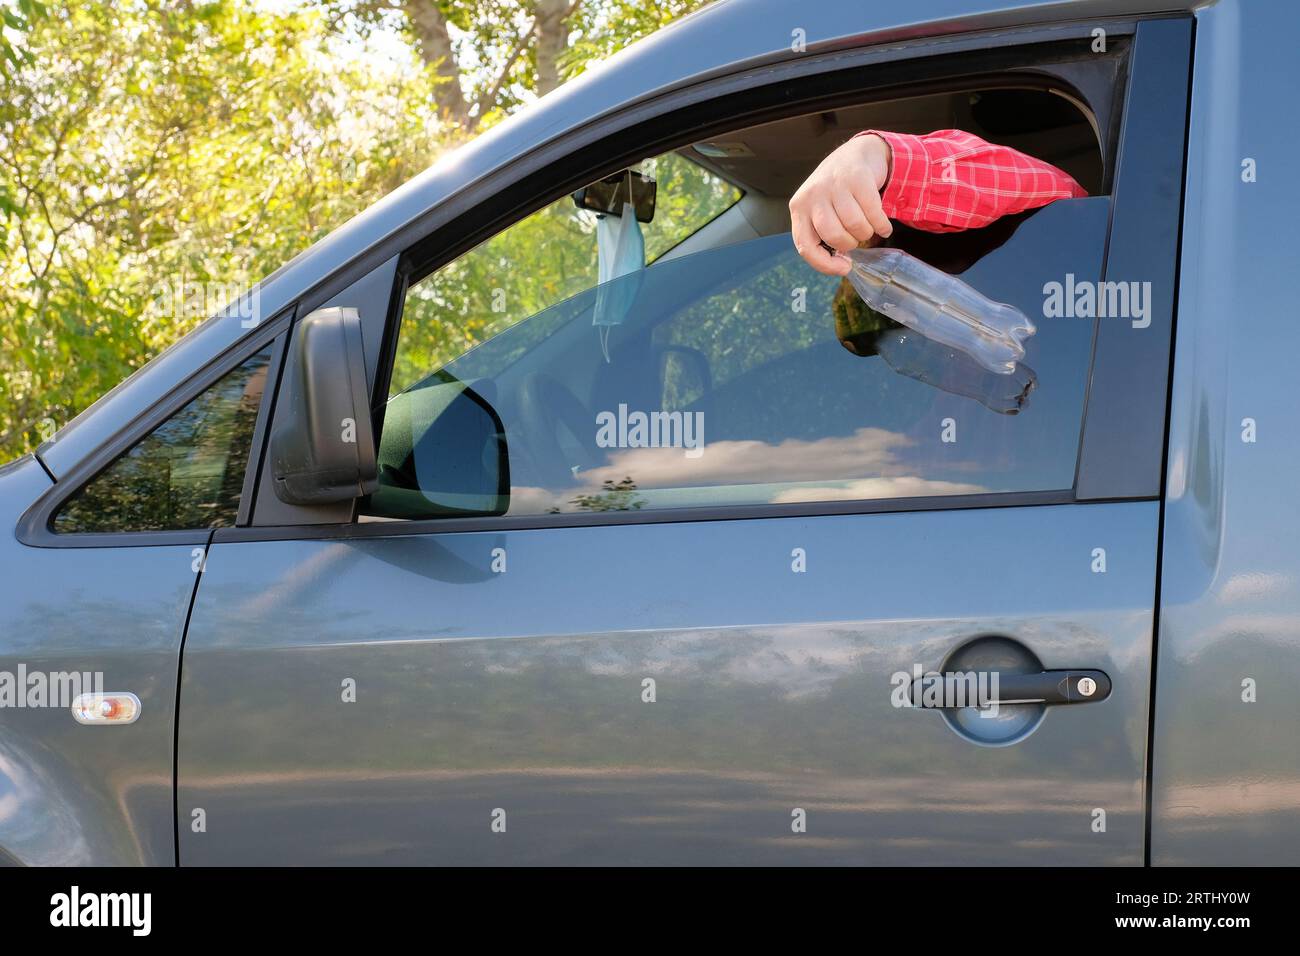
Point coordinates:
[(905, 192), (951, 180)]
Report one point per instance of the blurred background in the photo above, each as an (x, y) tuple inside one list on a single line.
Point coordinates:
[(157, 157)]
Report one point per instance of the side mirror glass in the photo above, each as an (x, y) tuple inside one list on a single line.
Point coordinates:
[(322, 447)]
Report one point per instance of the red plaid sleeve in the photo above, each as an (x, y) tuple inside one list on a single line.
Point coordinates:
[(951, 180)]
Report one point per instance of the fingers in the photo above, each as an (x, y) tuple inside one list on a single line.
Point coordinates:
[(867, 199), (840, 205), (830, 230), (853, 216), (843, 217), (807, 244)]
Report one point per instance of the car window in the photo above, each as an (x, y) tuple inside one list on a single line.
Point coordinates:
[(540, 260), (740, 376), (187, 473)]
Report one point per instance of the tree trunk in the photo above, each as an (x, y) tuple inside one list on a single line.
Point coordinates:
[(434, 40), (552, 38)]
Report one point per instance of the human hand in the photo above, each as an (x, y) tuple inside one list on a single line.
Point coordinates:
[(839, 204)]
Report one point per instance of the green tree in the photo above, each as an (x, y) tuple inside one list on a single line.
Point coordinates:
[(16, 18), (158, 156), (489, 56)]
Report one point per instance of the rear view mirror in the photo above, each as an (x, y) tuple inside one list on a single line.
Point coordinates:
[(322, 448), (608, 195)]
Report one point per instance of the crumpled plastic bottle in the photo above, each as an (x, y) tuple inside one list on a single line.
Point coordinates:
[(941, 307)]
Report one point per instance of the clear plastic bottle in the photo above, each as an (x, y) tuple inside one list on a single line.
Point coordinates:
[(941, 307)]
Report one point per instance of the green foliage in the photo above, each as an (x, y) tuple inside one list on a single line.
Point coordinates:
[(505, 52), (155, 159), (603, 27), (613, 496), (159, 156), (16, 18)]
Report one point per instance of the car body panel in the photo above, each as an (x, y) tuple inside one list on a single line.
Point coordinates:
[(1226, 772), (72, 794), (478, 690)]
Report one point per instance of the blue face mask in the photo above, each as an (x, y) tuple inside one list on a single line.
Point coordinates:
[(620, 249)]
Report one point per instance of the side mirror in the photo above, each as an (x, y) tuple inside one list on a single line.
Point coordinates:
[(322, 447)]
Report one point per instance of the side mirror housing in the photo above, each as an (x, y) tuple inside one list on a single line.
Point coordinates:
[(322, 446)]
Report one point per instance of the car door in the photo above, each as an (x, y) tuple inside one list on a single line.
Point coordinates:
[(563, 633)]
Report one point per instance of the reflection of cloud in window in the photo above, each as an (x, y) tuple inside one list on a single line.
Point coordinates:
[(866, 464), (867, 452), (901, 486)]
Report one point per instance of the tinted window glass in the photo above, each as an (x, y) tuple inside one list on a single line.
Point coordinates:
[(187, 473), (741, 376)]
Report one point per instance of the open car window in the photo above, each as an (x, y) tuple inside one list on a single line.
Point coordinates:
[(539, 261), (740, 376)]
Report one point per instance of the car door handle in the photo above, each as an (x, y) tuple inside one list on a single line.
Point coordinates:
[(1044, 687)]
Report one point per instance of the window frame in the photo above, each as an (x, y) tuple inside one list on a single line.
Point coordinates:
[(1021, 65), (753, 509)]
